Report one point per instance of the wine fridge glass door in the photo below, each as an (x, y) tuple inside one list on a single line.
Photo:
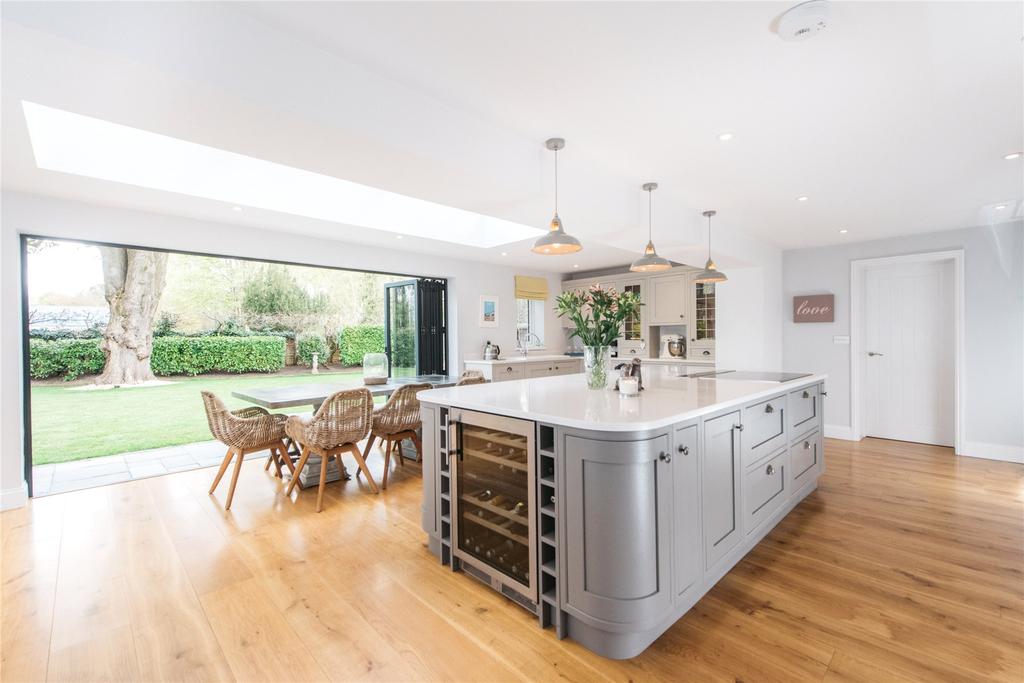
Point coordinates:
[(494, 498)]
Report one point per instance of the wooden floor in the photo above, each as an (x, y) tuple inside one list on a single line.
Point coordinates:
[(906, 564)]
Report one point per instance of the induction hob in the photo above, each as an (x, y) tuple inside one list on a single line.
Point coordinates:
[(754, 376)]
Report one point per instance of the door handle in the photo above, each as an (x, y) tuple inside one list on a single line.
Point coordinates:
[(769, 409), (685, 450), (664, 457), (875, 353), (738, 428)]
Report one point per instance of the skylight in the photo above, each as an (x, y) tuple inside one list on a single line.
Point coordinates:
[(81, 145)]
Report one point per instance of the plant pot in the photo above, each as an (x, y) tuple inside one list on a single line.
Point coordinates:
[(597, 360)]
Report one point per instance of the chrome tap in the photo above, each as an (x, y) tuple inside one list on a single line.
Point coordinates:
[(523, 341)]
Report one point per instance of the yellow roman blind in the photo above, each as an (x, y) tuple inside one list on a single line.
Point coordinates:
[(534, 288)]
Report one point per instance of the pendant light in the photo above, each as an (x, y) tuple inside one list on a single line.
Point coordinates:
[(556, 241), (711, 273), (650, 262)]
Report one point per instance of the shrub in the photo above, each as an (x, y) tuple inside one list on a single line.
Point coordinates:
[(357, 341), (71, 358), (198, 355), (305, 347), (165, 325)]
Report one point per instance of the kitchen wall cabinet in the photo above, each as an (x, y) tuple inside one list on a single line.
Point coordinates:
[(669, 302), (618, 564), (634, 329)]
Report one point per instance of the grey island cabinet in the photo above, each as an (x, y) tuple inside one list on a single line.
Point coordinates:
[(610, 516)]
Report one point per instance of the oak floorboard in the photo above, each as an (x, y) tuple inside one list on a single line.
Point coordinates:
[(907, 564)]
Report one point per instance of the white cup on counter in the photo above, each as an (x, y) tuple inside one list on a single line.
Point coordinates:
[(629, 386)]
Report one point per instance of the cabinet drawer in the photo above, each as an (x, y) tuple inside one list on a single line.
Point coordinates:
[(764, 489), (567, 367), (805, 459), (700, 354), (764, 429), (803, 410), (505, 371)]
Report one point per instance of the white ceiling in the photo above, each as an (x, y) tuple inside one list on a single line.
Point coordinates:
[(893, 121)]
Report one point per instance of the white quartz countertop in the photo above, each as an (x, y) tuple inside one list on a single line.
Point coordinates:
[(519, 358), (670, 360), (565, 400)]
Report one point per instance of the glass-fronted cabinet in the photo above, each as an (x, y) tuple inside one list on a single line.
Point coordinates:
[(702, 331), (494, 523), (633, 340)]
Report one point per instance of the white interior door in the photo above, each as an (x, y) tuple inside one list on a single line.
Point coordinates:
[(909, 352)]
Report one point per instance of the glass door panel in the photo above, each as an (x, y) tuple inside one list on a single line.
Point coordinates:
[(494, 495), (400, 339)]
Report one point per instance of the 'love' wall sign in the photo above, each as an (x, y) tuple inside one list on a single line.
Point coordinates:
[(816, 308)]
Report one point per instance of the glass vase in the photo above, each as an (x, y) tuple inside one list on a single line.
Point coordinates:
[(596, 362)]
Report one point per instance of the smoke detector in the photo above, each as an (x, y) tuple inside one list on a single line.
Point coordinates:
[(804, 20)]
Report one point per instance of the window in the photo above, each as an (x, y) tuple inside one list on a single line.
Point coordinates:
[(530, 319)]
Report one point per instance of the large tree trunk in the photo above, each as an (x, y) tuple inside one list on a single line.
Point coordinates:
[(132, 281)]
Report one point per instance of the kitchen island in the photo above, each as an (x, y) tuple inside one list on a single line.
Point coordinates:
[(610, 516)]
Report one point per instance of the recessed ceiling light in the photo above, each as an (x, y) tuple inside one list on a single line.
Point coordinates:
[(843, 231), (575, 265), (236, 208), (398, 237), (801, 198), (67, 142), (725, 137), (504, 253), (1000, 207), (1013, 155)]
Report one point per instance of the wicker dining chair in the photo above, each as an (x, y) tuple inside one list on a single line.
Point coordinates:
[(245, 431), (395, 421), (338, 426), (471, 377)]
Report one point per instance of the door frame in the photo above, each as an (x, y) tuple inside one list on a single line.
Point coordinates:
[(858, 269)]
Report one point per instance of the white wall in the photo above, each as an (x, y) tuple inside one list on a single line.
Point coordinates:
[(994, 328), (59, 218)]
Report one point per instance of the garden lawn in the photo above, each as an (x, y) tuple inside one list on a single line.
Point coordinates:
[(74, 425)]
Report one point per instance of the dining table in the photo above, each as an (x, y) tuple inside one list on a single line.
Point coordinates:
[(314, 394)]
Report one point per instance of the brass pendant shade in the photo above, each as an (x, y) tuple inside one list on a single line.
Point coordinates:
[(556, 241)]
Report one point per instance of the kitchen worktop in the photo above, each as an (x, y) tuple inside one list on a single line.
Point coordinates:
[(519, 358), (565, 400)]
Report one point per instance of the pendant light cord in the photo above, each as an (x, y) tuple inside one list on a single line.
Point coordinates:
[(650, 215), (709, 238), (556, 182)]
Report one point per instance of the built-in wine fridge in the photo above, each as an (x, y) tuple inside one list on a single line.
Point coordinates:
[(494, 516)]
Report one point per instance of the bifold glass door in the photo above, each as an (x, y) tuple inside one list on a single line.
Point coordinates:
[(494, 504), (415, 327)]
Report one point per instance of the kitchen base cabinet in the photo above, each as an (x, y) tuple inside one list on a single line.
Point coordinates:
[(618, 508), (720, 486), (636, 526), (517, 368)]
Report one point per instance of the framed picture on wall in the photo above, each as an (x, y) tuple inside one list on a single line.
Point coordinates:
[(488, 310)]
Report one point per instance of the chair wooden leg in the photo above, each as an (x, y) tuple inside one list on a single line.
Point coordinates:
[(234, 477), (298, 469), (419, 446), (324, 459), (286, 457), (222, 470), (270, 459), (276, 455), (366, 453), (387, 466), (362, 465)]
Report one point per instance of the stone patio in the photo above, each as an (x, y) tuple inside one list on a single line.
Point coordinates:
[(111, 469)]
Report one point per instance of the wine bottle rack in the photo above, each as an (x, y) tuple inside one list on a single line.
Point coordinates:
[(549, 612)]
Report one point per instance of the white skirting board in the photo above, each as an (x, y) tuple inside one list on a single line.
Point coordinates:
[(15, 497), (843, 432), (993, 451)]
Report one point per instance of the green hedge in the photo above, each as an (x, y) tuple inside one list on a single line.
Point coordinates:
[(357, 341), (305, 347), (198, 355), (72, 358)]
